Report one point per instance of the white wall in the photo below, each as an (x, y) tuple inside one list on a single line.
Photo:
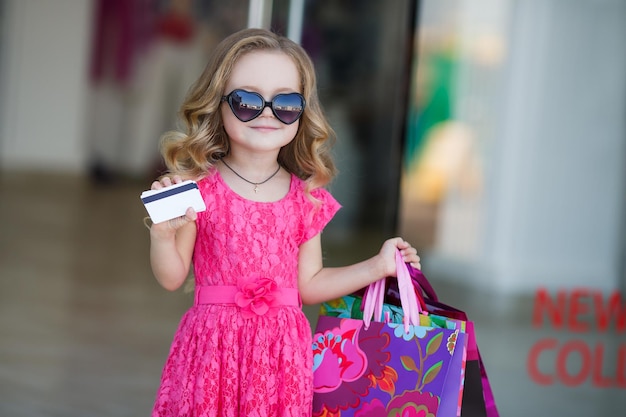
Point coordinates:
[(561, 165), (44, 86), (554, 196)]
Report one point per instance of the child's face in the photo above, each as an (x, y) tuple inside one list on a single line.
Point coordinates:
[(268, 73)]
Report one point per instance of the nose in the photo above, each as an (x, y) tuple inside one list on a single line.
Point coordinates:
[(267, 109)]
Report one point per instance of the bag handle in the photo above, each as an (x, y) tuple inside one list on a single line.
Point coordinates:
[(371, 301), (375, 295), (422, 282)]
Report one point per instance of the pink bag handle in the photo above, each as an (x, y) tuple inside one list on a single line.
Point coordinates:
[(375, 295), (420, 280), (373, 301)]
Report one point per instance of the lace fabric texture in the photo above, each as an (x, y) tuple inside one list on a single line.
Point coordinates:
[(220, 363)]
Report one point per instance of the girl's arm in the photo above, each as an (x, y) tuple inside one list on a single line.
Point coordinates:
[(171, 245), (318, 284), (170, 253)]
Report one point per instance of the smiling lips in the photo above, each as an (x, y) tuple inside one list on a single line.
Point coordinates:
[(265, 128)]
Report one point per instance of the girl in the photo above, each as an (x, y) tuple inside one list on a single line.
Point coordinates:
[(257, 143)]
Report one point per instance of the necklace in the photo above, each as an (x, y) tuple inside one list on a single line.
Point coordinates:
[(256, 184)]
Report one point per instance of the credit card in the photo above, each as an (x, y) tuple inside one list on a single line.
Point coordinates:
[(173, 201)]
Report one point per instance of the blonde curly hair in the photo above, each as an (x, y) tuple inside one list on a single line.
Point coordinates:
[(202, 140)]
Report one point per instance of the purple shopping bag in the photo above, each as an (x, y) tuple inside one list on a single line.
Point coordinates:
[(364, 368), (478, 399)]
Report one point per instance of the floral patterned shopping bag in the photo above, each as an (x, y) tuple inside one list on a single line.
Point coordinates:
[(386, 368), (383, 370)]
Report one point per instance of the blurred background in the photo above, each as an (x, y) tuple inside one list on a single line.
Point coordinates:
[(491, 134)]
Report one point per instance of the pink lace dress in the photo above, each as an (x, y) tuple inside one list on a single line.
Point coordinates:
[(244, 347)]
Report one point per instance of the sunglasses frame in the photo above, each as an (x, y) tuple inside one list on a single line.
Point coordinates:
[(229, 99)]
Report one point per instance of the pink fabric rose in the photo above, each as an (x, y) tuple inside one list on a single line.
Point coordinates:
[(257, 298)]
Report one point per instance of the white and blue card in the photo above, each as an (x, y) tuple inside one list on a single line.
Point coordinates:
[(171, 202)]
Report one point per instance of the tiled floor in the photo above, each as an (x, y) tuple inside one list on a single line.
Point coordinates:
[(84, 328)]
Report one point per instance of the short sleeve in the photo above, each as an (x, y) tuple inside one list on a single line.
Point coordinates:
[(321, 214)]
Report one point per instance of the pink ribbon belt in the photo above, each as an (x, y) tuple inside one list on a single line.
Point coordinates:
[(254, 300)]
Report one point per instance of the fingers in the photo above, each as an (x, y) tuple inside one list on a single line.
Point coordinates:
[(409, 253), (191, 214), (178, 222), (416, 265), (410, 256), (166, 182)]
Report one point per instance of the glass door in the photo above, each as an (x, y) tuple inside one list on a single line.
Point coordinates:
[(361, 51)]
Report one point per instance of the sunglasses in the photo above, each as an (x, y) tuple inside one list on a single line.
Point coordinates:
[(247, 105)]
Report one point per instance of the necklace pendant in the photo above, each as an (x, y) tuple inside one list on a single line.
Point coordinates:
[(256, 184)]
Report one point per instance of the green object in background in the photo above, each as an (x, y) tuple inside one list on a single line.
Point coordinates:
[(437, 107)]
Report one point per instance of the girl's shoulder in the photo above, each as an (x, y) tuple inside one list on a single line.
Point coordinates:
[(316, 196)]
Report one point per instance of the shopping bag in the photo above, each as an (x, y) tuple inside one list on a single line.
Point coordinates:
[(351, 306), (478, 399), (385, 368)]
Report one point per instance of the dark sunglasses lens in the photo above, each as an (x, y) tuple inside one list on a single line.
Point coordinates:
[(246, 106), (288, 107)]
